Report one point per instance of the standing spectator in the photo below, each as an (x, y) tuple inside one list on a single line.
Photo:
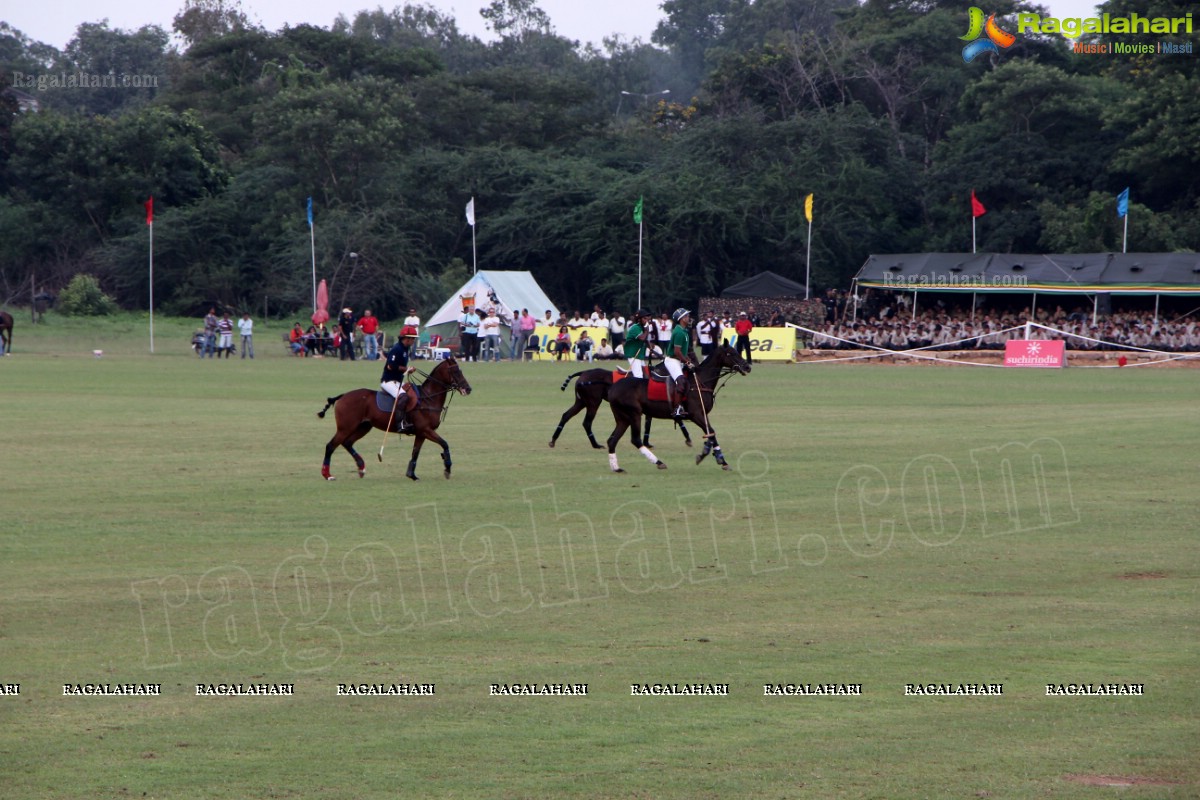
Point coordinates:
[(246, 328), (523, 327), (754, 320), (705, 329), (577, 321), (662, 336), (210, 333), (616, 331), (489, 330), (368, 326), (468, 326), (346, 324), (635, 343), (225, 330), (549, 318), (743, 327), (412, 321)]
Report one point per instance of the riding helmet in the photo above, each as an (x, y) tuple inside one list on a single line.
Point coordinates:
[(680, 313), (408, 330)]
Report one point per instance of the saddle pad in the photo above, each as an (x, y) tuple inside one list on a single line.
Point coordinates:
[(656, 390)]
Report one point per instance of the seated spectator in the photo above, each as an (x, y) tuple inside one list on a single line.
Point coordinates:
[(296, 340), (583, 347), (562, 344), (604, 351)]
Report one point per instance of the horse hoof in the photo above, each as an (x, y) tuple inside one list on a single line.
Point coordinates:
[(688, 442), (552, 443), (597, 446), (619, 469), (330, 478), (661, 465), (725, 467), (362, 473), (699, 458), (647, 445), (447, 474)]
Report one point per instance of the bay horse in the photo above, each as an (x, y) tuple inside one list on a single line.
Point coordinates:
[(590, 391), (356, 413), (630, 402), (6, 326)]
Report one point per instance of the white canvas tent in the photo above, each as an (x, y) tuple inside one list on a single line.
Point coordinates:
[(506, 291)]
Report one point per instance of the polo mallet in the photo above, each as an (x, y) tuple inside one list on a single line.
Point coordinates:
[(703, 410), (395, 402)]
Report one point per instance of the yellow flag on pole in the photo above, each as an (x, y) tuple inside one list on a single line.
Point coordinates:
[(808, 208)]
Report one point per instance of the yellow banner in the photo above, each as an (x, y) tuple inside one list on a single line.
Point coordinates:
[(771, 344), (766, 344)]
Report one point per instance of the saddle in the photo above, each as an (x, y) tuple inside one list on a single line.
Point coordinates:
[(384, 401)]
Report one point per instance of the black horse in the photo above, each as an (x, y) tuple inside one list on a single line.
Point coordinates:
[(630, 402), (590, 391)]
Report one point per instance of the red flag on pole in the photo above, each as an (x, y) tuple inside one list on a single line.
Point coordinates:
[(150, 210), (977, 209)]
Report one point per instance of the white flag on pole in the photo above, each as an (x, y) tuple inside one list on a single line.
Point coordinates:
[(471, 213)]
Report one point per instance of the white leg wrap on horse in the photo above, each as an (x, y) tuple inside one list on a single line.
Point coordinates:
[(612, 462), (648, 453)]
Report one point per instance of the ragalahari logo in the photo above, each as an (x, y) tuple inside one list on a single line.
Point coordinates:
[(996, 36)]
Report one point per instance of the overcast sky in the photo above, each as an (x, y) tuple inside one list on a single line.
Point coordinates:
[(583, 20)]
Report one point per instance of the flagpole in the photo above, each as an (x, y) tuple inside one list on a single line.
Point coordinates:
[(973, 218), (474, 255), (312, 240), (1125, 237), (808, 262), (152, 286), (639, 303)]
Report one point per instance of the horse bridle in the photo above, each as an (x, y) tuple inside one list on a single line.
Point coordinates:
[(448, 388)]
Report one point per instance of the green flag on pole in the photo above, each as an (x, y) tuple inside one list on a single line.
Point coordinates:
[(637, 212)]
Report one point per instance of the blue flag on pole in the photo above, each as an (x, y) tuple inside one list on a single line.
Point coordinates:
[(1123, 203), (310, 212)]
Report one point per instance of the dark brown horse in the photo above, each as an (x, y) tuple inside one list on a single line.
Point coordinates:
[(6, 325), (357, 413), (590, 391), (630, 402)]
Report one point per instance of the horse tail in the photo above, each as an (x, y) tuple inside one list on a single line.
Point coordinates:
[(328, 402), (570, 378)]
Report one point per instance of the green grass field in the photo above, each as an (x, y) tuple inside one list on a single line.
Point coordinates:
[(165, 522)]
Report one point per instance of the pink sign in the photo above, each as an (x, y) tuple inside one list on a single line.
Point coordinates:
[(1034, 353)]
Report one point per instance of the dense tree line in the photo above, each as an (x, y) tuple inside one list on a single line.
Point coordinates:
[(392, 121)]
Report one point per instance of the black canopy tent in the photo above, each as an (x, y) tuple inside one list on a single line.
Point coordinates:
[(1094, 274), (765, 284)]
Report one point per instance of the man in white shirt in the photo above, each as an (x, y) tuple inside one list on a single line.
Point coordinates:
[(616, 331), (489, 332), (246, 328), (413, 320)]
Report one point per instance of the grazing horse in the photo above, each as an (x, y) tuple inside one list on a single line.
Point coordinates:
[(6, 323), (357, 413), (590, 391), (630, 401)]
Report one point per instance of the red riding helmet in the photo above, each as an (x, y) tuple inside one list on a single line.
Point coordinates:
[(408, 330)]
